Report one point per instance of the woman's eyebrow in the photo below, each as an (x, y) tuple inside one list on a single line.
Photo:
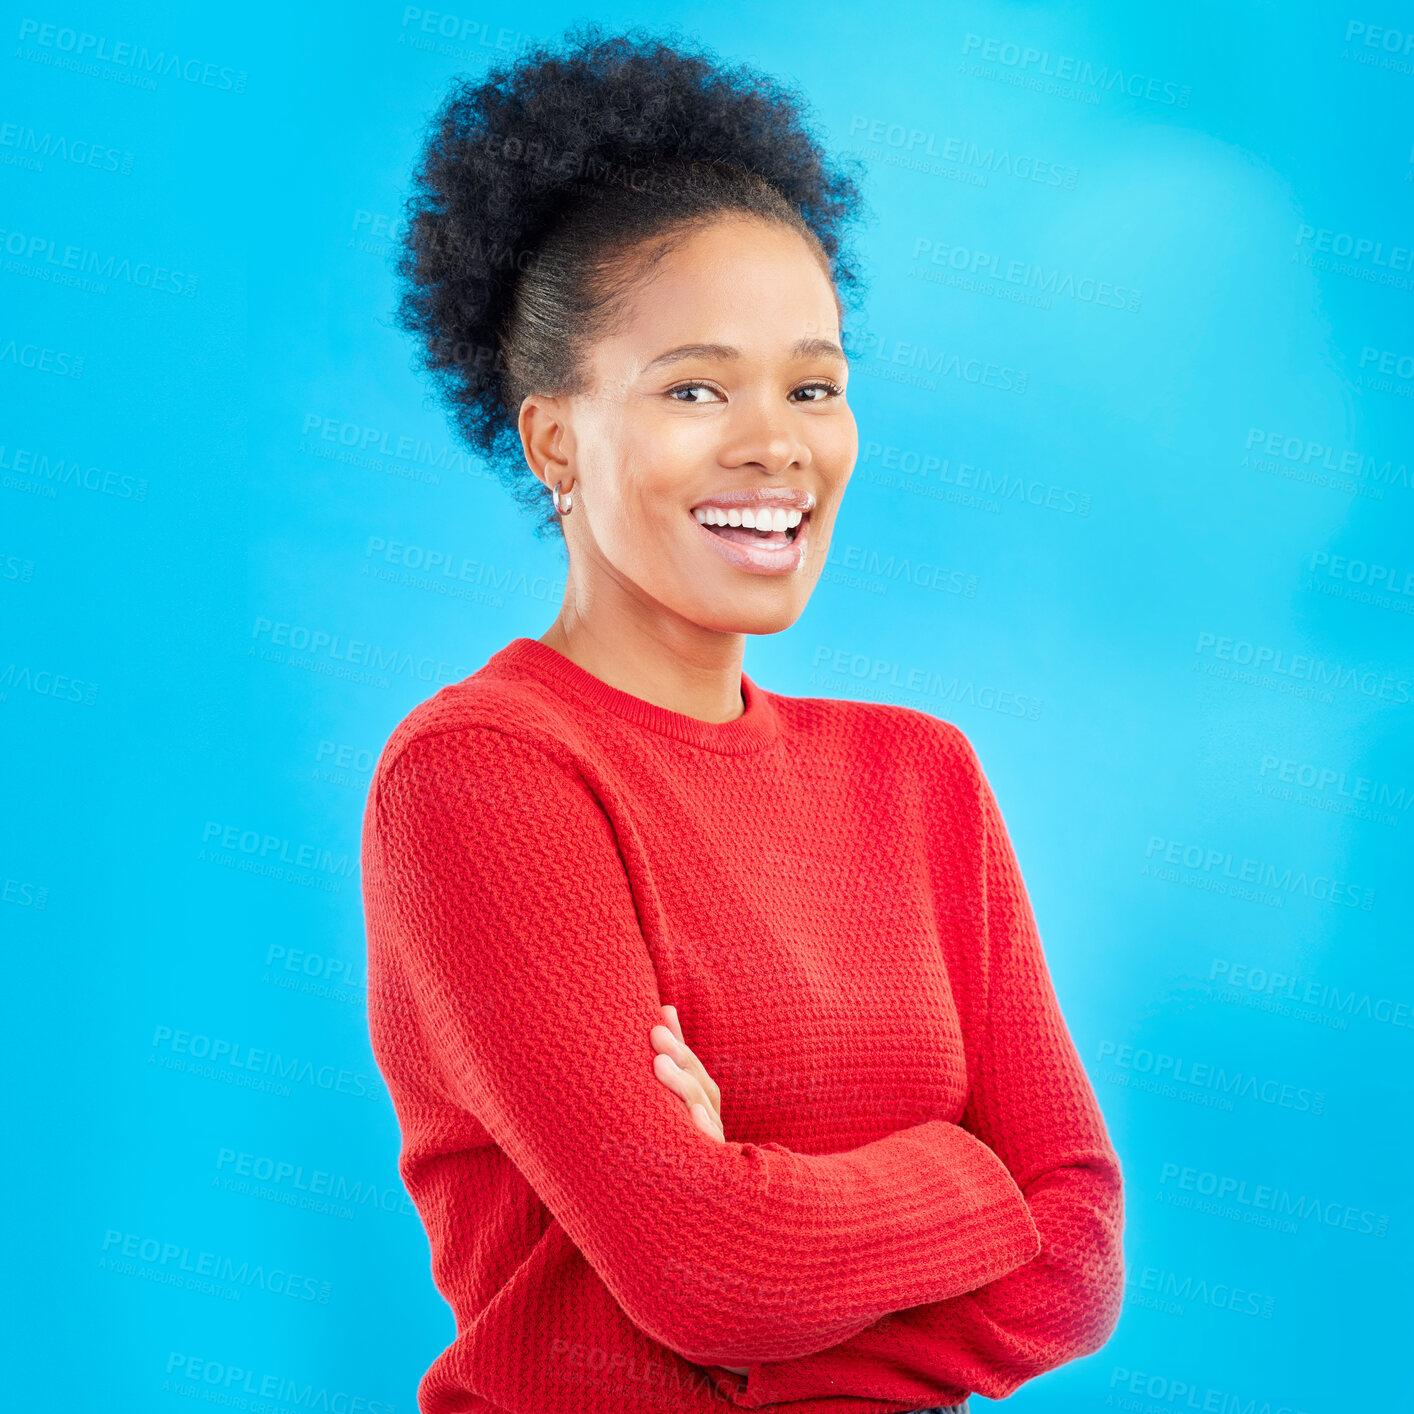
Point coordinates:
[(804, 348)]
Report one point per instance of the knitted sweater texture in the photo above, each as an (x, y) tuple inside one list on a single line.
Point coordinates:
[(917, 1199)]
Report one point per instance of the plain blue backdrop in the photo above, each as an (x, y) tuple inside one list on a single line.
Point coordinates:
[(1135, 389)]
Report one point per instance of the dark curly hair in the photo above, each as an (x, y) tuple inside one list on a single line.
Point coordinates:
[(549, 187)]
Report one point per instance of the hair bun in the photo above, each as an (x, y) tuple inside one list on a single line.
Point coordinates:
[(534, 174)]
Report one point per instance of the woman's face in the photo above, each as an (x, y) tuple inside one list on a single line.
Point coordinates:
[(724, 381)]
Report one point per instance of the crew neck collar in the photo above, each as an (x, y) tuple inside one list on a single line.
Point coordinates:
[(756, 728)]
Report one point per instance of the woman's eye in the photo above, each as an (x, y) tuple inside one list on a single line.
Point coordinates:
[(688, 388), (826, 388)]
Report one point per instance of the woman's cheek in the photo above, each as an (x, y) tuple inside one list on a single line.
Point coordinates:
[(839, 445)]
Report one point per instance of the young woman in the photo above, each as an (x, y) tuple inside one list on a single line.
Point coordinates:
[(726, 1057)]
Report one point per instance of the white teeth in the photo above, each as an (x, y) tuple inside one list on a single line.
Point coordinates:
[(777, 518)]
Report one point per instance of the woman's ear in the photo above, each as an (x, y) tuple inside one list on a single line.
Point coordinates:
[(545, 439)]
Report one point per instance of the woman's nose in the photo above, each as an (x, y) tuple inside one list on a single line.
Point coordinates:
[(767, 438)]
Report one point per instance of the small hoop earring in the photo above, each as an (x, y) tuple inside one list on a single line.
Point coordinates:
[(555, 496)]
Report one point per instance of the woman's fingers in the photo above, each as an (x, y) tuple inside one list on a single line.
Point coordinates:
[(685, 1056), (666, 1044), (681, 1082), (700, 1070), (686, 1086), (671, 1012), (680, 1070), (707, 1123)]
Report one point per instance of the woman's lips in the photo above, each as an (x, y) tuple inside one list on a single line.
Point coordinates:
[(763, 557)]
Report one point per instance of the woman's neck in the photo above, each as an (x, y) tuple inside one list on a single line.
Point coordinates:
[(700, 679)]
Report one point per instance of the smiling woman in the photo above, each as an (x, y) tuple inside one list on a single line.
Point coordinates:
[(728, 435), (720, 1034)]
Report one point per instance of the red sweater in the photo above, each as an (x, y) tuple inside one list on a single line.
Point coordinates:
[(917, 1198)]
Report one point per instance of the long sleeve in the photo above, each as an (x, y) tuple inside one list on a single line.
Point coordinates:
[(1032, 1104), (505, 910)]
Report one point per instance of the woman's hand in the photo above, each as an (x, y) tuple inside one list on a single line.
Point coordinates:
[(683, 1074)]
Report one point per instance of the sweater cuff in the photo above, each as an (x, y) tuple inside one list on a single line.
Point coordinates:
[(996, 1233), (1000, 1237)]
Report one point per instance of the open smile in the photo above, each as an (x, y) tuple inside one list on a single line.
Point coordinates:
[(757, 551)]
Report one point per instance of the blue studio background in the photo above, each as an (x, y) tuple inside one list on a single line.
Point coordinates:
[(1136, 401)]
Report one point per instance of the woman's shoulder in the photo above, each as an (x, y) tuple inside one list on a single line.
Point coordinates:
[(870, 727), (479, 720), (882, 742)]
